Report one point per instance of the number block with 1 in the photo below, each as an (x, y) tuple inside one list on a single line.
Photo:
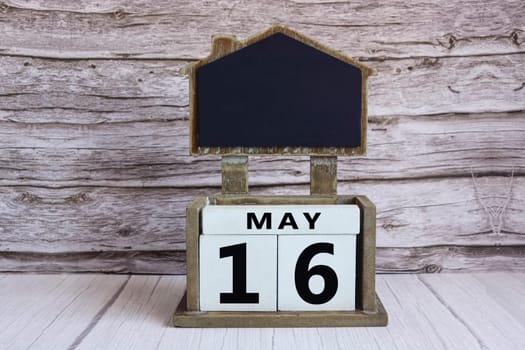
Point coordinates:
[(238, 273)]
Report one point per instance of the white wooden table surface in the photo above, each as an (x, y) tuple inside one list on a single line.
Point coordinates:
[(434, 311)]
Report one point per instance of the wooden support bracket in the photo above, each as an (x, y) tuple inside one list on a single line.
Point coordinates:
[(323, 175), (234, 175)]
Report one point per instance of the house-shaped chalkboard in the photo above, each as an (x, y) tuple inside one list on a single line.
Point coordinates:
[(278, 92)]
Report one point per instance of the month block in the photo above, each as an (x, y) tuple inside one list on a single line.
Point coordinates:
[(280, 219), (238, 272), (316, 272)]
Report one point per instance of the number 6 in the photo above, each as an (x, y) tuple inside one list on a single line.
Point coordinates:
[(303, 275)]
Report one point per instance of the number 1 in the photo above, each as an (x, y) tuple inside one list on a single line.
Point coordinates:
[(239, 294)]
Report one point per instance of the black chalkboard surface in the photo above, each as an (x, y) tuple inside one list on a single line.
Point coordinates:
[(278, 92)]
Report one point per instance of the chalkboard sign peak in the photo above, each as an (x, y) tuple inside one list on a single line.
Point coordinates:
[(278, 92)]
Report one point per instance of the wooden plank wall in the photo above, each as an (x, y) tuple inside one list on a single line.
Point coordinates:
[(94, 166)]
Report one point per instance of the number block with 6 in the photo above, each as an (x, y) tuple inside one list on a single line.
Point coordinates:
[(316, 272)]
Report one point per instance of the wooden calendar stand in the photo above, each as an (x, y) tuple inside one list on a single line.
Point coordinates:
[(220, 96)]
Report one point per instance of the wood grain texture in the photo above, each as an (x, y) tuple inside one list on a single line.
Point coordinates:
[(94, 166), (234, 174), (468, 299), (323, 175), (37, 309), (279, 319), (92, 219), (504, 288), (450, 258), (91, 91), (122, 262), (154, 154), (145, 304), (182, 29), (433, 85), (103, 91), (410, 302), (193, 224), (85, 219), (366, 256), (431, 259), (95, 219), (445, 311)]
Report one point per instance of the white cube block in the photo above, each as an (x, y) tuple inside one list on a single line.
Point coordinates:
[(316, 272), (281, 219), (244, 279)]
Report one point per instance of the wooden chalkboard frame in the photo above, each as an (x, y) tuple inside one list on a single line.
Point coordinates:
[(225, 45)]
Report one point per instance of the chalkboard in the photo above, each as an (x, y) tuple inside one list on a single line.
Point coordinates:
[(279, 92)]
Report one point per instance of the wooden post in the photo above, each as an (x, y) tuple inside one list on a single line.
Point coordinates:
[(234, 174), (323, 175), (192, 253), (366, 257)]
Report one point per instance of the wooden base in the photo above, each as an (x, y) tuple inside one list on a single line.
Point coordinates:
[(226, 319)]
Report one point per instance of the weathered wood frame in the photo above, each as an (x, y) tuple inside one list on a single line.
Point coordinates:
[(224, 45), (323, 190), (369, 310)]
